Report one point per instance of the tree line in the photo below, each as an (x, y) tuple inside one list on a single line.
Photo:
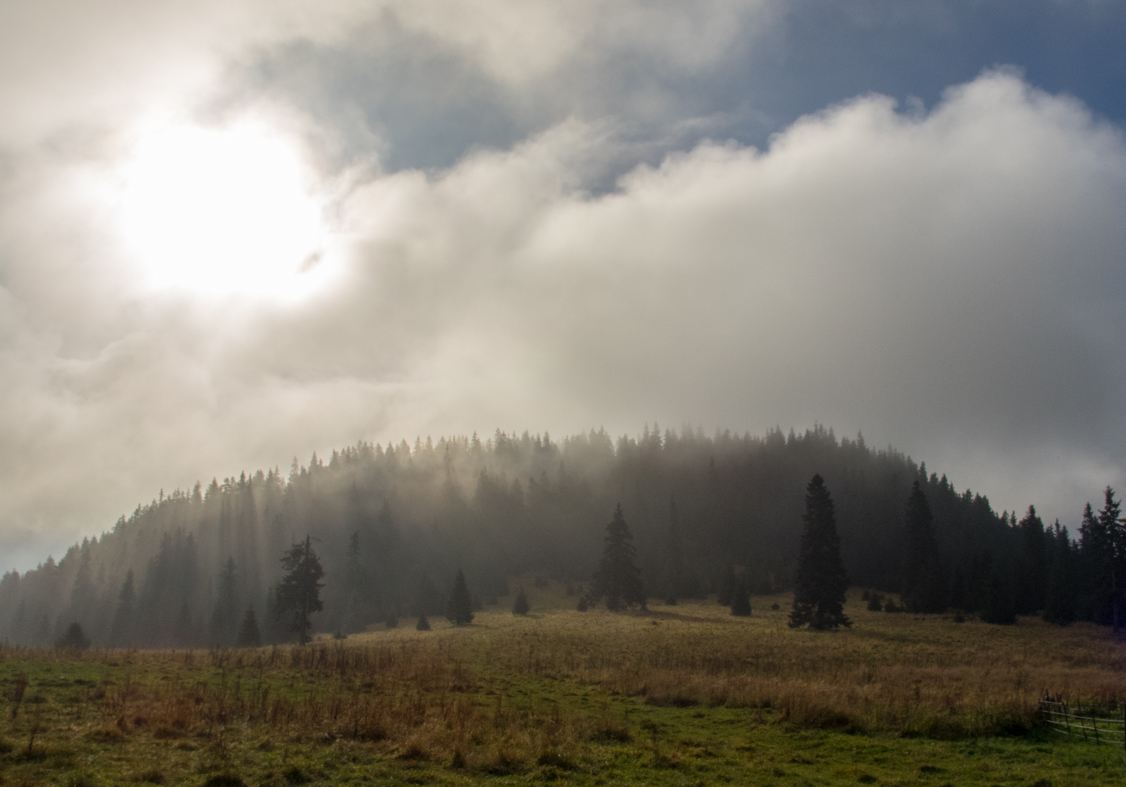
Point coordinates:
[(393, 525)]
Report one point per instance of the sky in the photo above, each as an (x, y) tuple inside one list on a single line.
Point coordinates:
[(232, 233)]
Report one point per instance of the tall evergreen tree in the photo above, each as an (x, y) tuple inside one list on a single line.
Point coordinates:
[(1095, 557), (618, 579), (74, 639), (249, 636), (1059, 602), (459, 608), (1032, 564), (1112, 524), (741, 601), (224, 615), (819, 591), (1102, 546), (299, 591), (82, 593), (520, 606), (923, 587), (354, 582), (122, 631)]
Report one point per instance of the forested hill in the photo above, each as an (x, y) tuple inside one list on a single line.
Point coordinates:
[(393, 524)]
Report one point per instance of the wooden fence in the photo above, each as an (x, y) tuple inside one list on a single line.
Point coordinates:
[(1075, 721)]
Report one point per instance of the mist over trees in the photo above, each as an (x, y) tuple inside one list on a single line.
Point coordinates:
[(394, 524)]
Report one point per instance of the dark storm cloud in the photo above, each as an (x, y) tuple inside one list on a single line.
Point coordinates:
[(538, 234)]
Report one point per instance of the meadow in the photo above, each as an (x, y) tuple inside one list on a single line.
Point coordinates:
[(683, 694)]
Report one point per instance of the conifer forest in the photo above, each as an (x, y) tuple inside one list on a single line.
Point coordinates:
[(389, 528)]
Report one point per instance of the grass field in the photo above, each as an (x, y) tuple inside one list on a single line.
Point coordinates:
[(678, 695)]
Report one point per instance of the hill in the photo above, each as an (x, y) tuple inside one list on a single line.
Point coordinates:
[(393, 524)]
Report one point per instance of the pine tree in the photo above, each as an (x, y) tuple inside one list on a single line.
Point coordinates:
[(249, 636), (1032, 565), (819, 592), (224, 616), (459, 608), (353, 587), (922, 575), (1059, 602), (520, 606), (74, 639), (618, 580), (1113, 525), (741, 601), (1102, 546), (299, 591), (122, 631)]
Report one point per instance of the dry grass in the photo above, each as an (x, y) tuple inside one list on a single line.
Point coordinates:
[(503, 695), (912, 675)]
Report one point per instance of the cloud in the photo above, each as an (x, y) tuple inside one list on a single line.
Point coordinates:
[(931, 278), (948, 281)]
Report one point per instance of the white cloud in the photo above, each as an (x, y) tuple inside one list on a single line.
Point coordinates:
[(948, 282)]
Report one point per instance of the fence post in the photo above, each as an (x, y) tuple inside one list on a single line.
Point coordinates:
[(1067, 718), (1095, 726), (1079, 718)]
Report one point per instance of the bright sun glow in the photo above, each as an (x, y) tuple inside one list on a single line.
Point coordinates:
[(223, 212)]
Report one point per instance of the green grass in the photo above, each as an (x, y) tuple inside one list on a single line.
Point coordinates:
[(682, 695)]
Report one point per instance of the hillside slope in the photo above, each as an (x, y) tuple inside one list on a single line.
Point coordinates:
[(393, 524)]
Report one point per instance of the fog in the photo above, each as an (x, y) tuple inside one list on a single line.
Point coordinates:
[(614, 215)]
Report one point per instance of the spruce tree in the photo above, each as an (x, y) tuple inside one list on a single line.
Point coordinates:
[(1032, 564), (618, 580), (352, 616), (1112, 524), (922, 575), (1059, 602), (819, 592), (299, 591), (520, 606), (249, 636), (741, 601), (224, 616), (74, 639), (122, 631), (459, 608), (1102, 546)]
